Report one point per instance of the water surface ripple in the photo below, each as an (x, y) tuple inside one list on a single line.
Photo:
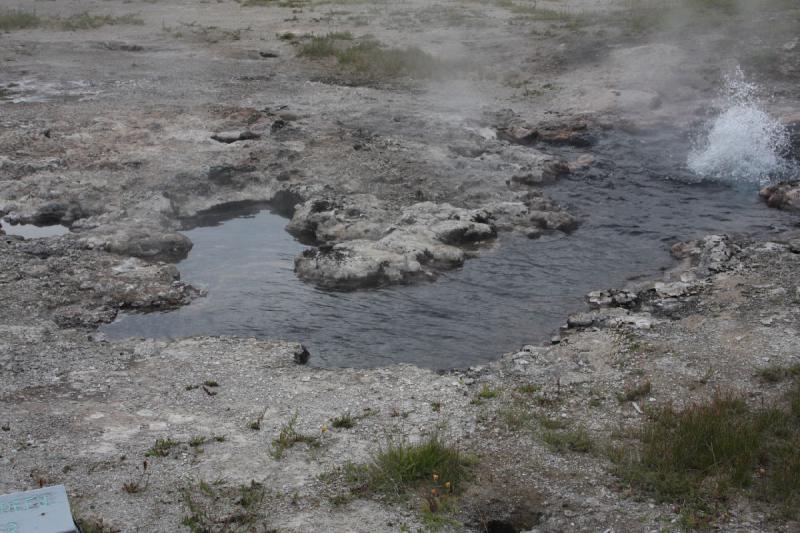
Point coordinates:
[(636, 201)]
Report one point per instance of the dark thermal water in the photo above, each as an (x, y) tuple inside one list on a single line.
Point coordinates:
[(636, 201)]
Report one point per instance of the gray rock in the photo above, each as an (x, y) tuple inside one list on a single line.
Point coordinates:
[(333, 220), (783, 195), (139, 242), (611, 298), (229, 137), (425, 238), (301, 355)]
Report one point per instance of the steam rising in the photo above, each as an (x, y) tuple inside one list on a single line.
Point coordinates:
[(744, 143)]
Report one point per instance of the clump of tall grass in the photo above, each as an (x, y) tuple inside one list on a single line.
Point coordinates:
[(700, 455), (369, 59)]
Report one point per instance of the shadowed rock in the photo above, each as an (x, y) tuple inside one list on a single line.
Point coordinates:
[(783, 195)]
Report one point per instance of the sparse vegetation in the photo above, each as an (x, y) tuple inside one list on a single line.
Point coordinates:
[(255, 425), (17, 19), (487, 393), (699, 455), (138, 485), (777, 373), (369, 59), (550, 423), (569, 440), (402, 466), (215, 507), (528, 388), (288, 437), (345, 421), (93, 524), (515, 417), (89, 21), (207, 34), (161, 448), (279, 3), (635, 392), (532, 10)]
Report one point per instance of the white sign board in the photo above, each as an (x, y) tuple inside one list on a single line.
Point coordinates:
[(44, 510)]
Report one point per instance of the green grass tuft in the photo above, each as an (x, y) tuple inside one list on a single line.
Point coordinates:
[(161, 448), (528, 388), (288, 437), (486, 393), (215, 507), (776, 373), (17, 19), (575, 440), (402, 466), (345, 421), (699, 455), (369, 59)]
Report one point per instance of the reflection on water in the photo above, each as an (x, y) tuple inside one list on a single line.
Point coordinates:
[(518, 291)]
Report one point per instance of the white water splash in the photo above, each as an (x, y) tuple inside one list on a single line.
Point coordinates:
[(743, 143)]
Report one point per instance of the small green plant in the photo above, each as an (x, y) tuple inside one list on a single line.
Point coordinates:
[(131, 487), (515, 417), (345, 421), (17, 19), (161, 448), (551, 423), (635, 392), (529, 389), (197, 441), (255, 425), (138, 485), (216, 507), (395, 412), (288, 437), (93, 524), (368, 59), (211, 383), (436, 406), (575, 440), (777, 373), (486, 393), (401, 466), (701, 454)]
